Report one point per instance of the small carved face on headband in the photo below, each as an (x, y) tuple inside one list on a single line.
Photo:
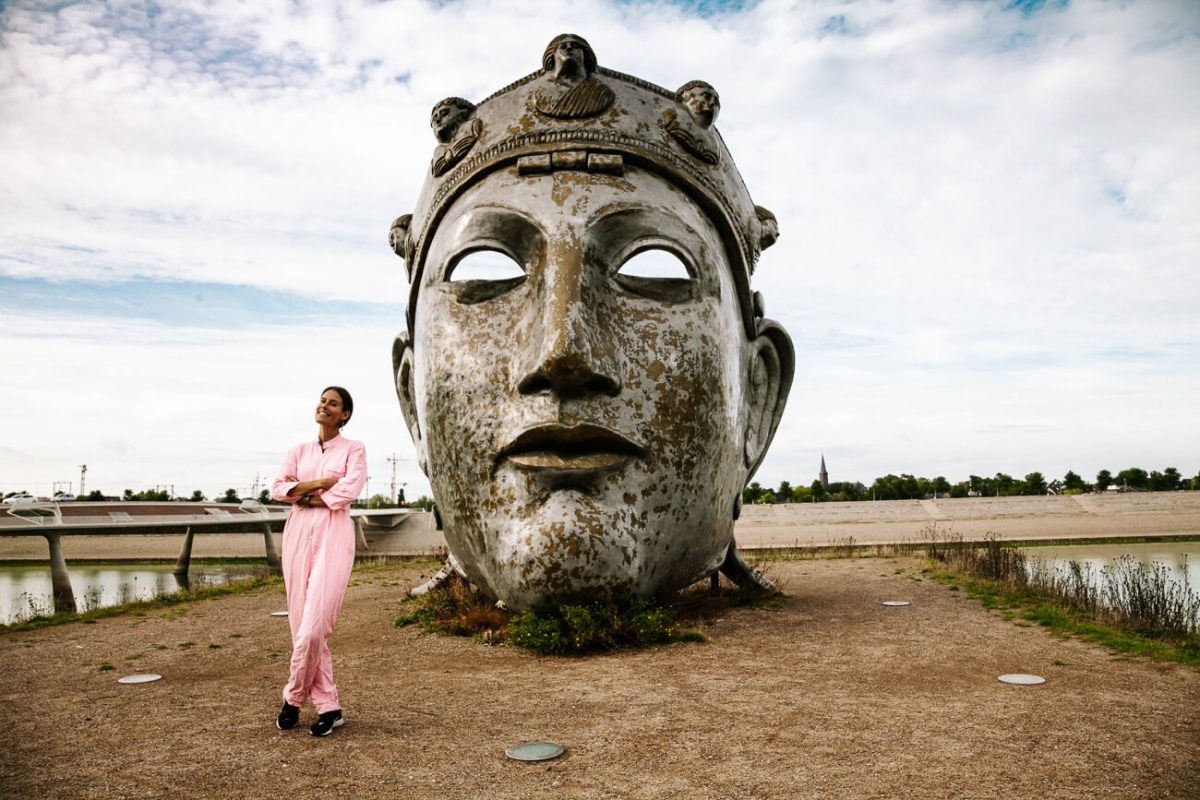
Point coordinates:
[(702, 102), (447, 115), (569, 58)]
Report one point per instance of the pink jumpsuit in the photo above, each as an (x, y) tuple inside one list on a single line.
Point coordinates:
[(318, 554)]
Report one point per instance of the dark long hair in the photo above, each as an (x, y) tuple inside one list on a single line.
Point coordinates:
[(347, 402)]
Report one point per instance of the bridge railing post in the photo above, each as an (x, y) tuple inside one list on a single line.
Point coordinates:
[(269, 545), (360, 534), (185, 559), (60, 580)]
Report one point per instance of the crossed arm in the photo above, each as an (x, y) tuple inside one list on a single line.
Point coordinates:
[(304, 489)]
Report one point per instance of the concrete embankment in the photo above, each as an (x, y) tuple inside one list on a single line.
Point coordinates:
[(1048, 518), (1042, 518)]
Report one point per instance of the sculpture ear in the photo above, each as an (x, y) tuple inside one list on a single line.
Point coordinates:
[(771, 366), (402, 367)]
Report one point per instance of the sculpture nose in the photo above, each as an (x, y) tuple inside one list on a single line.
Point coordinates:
[(572, 354)]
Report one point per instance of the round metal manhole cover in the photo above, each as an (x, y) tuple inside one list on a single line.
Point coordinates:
[(534, 751), (146, 677), (1020, 679), (896, 603), (278, 613)]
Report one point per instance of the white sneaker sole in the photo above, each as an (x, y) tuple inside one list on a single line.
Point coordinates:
[(337, 723)]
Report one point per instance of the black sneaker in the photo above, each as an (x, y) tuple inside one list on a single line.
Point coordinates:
[(326, 723), (289, 715)]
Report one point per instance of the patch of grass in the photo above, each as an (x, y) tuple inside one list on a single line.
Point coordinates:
[(104, 666), (186, 645), (1061, 662), (133, 656), (594, 626), (214, 646), (1130, 608), (235, 635), (457, 608)]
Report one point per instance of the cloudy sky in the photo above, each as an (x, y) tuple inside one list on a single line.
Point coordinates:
[(990, 218)]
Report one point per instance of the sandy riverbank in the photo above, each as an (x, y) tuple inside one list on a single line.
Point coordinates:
[(830, 695)]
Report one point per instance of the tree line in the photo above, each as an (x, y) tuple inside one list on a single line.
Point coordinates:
[(911, 487)]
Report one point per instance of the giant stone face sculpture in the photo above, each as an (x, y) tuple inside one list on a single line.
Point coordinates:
[(587, 377)]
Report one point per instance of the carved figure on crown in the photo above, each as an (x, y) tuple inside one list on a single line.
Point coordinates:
[(446, 119), (694, 141), (400, 238), (572, 92), (768, 227), (702, 101), (703, 104)]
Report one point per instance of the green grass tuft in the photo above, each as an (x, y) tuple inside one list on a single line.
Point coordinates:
[(457, 608), (1134, 609)]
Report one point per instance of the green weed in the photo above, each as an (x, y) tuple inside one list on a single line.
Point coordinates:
[(458, 608), (1130, 608)]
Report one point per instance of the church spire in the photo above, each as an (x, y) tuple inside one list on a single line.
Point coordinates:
[(823, 476)]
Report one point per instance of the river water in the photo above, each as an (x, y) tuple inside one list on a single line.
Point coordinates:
[(1183, 558), (25, 591)]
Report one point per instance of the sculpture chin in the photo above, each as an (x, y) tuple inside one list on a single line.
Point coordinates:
[(574, 549)]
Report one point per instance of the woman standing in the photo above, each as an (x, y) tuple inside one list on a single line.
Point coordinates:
[(321, 479)]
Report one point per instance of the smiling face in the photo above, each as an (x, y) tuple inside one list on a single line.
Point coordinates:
[(331, 410), (582, 416)]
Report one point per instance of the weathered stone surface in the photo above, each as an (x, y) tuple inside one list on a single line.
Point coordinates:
[(586, 419)]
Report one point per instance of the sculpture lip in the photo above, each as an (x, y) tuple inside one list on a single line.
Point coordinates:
[(583, 447)]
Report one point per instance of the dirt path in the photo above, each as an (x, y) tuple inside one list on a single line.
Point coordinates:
[(830, 695)]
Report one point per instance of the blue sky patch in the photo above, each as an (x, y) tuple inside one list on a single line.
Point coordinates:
[(178, 303), (1028, 7), (701, 8)]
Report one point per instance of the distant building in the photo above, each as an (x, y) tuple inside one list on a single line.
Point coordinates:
[(823, 476)]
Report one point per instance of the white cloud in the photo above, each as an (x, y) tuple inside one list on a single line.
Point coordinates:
[(983, 211)]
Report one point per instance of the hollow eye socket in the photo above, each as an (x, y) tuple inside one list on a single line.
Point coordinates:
[(483, 274), (657, 274), (654, 263)]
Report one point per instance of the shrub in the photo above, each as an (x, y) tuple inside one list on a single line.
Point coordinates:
[(460, 609)]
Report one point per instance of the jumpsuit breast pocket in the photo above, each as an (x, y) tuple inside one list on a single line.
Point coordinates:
[(336, 469)]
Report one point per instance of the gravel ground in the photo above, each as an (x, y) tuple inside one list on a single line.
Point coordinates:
[(828, 695)]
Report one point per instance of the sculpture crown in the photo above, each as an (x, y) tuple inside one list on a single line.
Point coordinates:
[(573, 114)]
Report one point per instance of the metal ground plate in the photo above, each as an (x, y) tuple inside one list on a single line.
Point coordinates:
[(1021, 679), (534, 751), (145, 677)]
